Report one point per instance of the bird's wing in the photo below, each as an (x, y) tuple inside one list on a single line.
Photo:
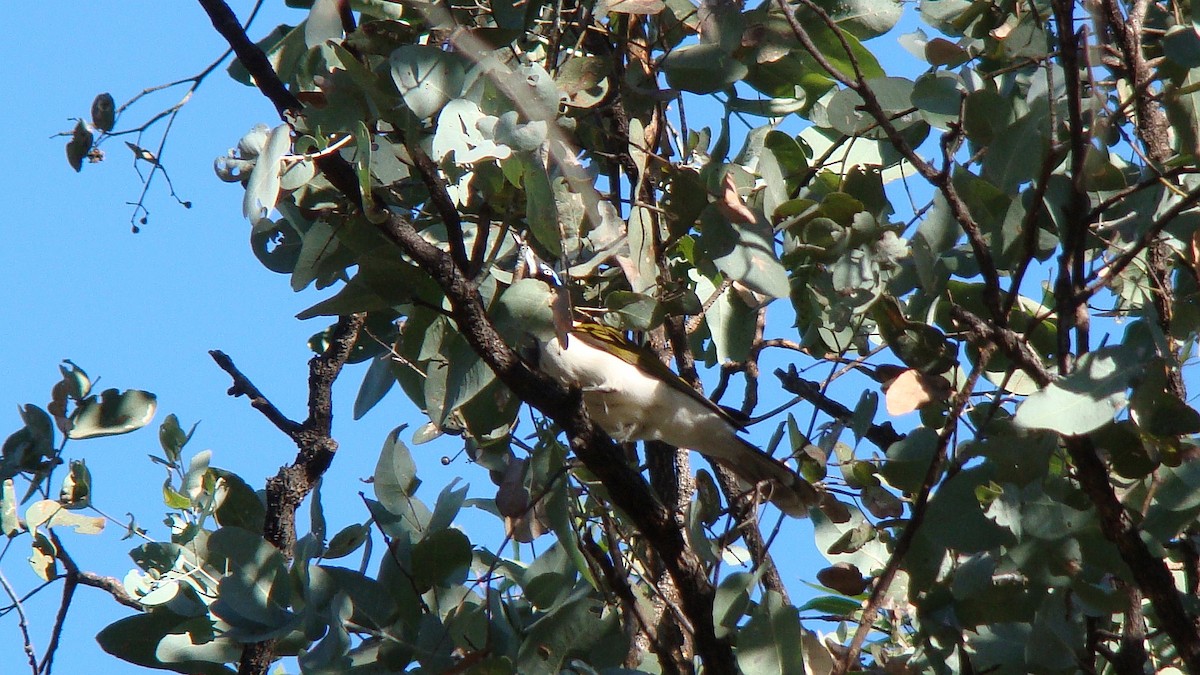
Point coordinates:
[(614, 341)]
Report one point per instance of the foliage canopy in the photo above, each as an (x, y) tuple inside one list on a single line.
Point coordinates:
[(1007, 243)]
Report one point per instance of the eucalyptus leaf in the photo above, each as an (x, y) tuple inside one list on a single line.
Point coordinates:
[(427, 77), (262, 190), (1086, 399), (112, 412)]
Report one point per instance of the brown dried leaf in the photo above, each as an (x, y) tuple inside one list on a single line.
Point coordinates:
[(1196, 253), (843, 578), (648, 7), (911, 390), (731, 205)]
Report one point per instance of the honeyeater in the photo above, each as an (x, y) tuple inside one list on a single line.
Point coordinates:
[(633, 396)]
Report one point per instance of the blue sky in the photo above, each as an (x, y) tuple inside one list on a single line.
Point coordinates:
[(142, 311)]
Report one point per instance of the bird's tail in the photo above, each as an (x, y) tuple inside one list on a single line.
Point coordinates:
[(788, 490)]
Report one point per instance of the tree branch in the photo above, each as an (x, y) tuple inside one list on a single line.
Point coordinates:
[(112, 586), (288, 488), (917, 513), (882, 435), (1149, 572), (22, 623), (242, 386), (70, 583), (626, 486)]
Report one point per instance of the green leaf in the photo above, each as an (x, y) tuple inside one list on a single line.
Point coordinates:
[(835, 605), (172, 438), (744, 252), (632, 311), (427, 77), (846, 114), (1159, 412), (172, 498), (371, 604), (347, 541), (732, 601), (939, 96), (10, 524), (770, 641), (457, 374), (1085, 400), (276, 245), (908, 460), (730, 321), (284, 47), (446, 509), (323, 23), (76, 492), (113, 413), (395, 473), (442, 556), (255, 594), (395, 483), (525, 309), (703, 68), (375, 385), (162, 639), (237, 505), (49, 513), (1016, 156), (1181, 46), (540, 210), (864, 19), (317, 244), (551, 638)]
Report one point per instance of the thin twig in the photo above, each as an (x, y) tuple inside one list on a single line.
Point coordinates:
[(22, 623), (916, 519), (242, 386), (70, 583)]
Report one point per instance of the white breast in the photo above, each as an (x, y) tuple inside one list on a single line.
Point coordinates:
[(631, 405)]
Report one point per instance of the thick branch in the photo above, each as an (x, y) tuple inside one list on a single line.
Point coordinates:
[(288, 488), (1150, 573), (627, 488)]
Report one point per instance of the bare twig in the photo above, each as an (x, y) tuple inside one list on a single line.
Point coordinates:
[(112, 586), (242, 386), (22, 623), (882, 435)]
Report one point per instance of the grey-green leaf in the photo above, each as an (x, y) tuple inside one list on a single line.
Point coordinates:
[(1083, 401), (427, 77), (113, 413), (262, 190)]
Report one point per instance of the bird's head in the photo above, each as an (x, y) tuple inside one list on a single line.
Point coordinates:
[(532, 267)]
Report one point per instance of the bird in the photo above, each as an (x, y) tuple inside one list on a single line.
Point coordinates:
[(633, 396)]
